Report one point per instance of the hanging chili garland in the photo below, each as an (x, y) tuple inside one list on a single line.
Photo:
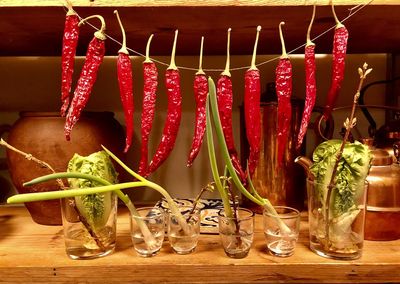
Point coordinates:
[(94, 58)]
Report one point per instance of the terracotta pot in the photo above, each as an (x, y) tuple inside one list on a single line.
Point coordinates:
[(42, 135)]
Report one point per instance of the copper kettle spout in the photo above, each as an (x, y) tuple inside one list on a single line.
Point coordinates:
[(306, 163)]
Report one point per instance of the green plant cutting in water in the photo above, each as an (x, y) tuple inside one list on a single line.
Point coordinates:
[(212, 116), (101, 186)]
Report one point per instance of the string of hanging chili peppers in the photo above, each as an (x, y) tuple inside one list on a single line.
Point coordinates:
[(200, 88), (252, 110), (94, 58), (225, 102), (174, 113), (311, 85), (284, 92), (150, 79), (125, 82), (70, 42)]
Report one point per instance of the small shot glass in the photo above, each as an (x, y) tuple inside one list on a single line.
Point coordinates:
[(184, 240), (236, 234), (147, 231), (281, 231)]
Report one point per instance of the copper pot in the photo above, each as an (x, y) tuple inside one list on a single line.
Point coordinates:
[(42, 135)]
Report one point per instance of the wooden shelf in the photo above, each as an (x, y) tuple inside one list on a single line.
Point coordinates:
[(35, 253), (34, 28)]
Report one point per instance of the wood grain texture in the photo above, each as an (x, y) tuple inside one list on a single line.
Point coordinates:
[(35, 253), (37, 31), (195, 3)]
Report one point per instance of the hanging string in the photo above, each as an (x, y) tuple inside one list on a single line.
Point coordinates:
[(352, 11)]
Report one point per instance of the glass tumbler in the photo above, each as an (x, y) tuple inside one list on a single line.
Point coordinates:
[(184, 240), (89, 224), (236, 233), (281, 230), (337, 227), (147, 231)]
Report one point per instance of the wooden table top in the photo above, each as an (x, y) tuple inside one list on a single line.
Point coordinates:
[(35, 253)]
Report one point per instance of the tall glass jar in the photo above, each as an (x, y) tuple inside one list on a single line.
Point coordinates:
[(337, 227), (89, 229)]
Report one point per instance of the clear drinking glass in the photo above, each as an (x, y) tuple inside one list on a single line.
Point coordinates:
[(236, 233), (336, 230), (184, 241), (89, 224), (148, 230), (281, 231)]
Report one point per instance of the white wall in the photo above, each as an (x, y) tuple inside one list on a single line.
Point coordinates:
[(31, 83)]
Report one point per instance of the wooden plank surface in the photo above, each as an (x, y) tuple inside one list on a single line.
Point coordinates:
[(35, 253), (196, 3), (37, 31)]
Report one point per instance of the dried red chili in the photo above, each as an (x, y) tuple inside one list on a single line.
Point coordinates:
[(200, 87), (93, 60), (70, 42), (338, 64), (252, 110), (150, 79), (225, 102), (174, 113), (125, 81), (311, 86), (284, 93)]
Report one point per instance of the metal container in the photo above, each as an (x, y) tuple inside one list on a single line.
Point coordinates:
[(281, 185), (382, 220)]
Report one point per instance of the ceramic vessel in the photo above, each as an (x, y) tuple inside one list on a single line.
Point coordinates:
[(42, 135)]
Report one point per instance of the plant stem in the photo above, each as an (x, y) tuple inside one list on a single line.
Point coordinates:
[(349, 124)]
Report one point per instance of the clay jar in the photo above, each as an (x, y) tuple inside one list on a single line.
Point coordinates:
[(42, 135)]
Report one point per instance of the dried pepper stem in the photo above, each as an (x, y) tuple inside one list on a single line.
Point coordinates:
[(348, 124), (123, 48), (172, 65), (309, 42), (226, 72), (284, 53), (148, 59), (253, 58), (200, 71)]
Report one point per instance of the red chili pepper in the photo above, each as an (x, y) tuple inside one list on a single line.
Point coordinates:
[(93, 60), (124, 71), (225, 102), (284, 93), (70, 42), (174, 113), (252, 110), (150, 78), (311, 86), (200, 87), (338, 65)]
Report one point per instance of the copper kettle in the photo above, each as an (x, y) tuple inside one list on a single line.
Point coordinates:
[(382, 220)]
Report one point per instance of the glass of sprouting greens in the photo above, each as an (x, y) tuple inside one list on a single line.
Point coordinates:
[(89, 223), (184, 242), (337, 212), (153, 218)]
